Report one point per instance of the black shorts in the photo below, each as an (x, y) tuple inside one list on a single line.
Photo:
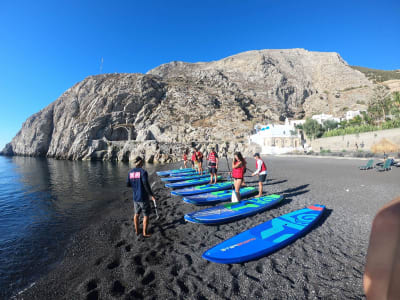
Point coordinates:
[(261, 178), (142, 206), (212, 170)]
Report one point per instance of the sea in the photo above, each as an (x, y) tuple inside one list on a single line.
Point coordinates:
[(43, 203)]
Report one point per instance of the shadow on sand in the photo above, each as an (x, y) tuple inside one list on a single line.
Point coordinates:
[(301, 189)]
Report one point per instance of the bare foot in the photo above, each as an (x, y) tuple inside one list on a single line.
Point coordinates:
[(258, 196), (146, 235)]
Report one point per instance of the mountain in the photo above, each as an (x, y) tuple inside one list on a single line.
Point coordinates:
[(179, 105)]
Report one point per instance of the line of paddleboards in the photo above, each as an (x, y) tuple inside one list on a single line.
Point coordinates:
[(199, 189), (265, 238), (233, 211), (218, 196)]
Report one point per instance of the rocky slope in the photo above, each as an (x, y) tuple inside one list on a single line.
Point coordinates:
[(178, 105)]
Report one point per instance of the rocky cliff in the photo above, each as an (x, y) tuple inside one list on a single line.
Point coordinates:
[(177, 105)]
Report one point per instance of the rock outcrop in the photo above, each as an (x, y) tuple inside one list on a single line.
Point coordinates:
[(179, 105)]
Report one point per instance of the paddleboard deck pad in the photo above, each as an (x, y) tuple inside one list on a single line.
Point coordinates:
[(265, 238), (219, 196), (233, 211), (199, 189), (182, 178)]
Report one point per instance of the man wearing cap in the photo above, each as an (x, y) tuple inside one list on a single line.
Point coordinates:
[(261, 171), (138, 180)]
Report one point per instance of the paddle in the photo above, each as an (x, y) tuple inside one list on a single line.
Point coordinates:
[(155, 207), (234, 196)]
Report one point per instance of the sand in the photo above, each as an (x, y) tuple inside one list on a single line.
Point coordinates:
[(106, 261)]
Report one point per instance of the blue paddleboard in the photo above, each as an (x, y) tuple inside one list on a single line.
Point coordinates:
[(233, 211), (168, 172), (185, 177), (266, 237), (190, 182), (219, 196), (199, 189)]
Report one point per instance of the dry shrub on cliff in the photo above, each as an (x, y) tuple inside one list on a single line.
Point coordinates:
[(385, 145)]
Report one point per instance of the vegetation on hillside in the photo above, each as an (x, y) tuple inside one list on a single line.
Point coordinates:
[(378, 75), (383, 113)]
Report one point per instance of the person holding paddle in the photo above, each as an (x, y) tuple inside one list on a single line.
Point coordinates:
[(238, 169), (261, 171), (213, 165), (138, 180)]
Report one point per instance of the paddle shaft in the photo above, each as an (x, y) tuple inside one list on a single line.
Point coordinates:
[(155, 207)]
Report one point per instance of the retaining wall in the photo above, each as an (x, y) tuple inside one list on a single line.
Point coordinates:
[(353, 142)]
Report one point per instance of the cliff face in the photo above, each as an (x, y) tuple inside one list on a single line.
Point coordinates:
[(180, 103)]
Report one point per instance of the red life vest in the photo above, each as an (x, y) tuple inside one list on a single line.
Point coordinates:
[(194, 157), (238, 172), (212, 158), (263, 166), (185, 157), (199, 155)]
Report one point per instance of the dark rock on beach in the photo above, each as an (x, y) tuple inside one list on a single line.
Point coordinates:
[(107, 261)]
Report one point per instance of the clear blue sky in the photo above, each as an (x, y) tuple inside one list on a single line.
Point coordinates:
[(47, 46)]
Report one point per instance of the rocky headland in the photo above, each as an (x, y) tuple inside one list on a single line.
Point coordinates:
[(179, 105)]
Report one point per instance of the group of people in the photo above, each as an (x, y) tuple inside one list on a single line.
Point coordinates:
[(138, 180), (197, 163), (382, 271)]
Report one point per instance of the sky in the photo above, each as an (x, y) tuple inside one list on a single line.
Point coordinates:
[(48, 46)]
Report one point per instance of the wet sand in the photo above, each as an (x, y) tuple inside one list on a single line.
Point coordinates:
[(106, 261)]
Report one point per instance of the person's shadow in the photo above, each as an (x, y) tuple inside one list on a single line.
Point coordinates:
[(291, 192)]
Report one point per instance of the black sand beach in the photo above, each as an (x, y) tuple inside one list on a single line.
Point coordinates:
[(105, 261)]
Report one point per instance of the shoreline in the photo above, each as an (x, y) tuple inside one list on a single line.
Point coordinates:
[(105, 260)]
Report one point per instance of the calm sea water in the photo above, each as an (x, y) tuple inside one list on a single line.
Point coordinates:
[(42, 203)]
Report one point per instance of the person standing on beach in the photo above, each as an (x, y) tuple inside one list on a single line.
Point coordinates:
[(138, 180), (213, 165), (194, 160), (185, 159), (199, 157), (261, 171), (238, 169)]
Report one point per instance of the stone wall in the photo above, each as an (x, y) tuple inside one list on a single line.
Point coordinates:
[(353, 142)]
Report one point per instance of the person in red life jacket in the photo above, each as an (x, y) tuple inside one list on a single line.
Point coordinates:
[(199, 156), (238, 169), (261, 171), (194, 159), (138, 180), (213, 165), (185, 158)]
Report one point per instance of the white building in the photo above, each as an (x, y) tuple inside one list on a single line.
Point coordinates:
[(323, 117), (351, 114), (276, 138)]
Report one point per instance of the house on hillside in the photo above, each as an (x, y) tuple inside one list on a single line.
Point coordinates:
[(323, 117), (352, 113), (276, 138)]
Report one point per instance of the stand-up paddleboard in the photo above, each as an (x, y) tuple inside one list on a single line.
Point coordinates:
[(233, 211), (199, 189), (219, 196), (182, 178), (190, 182), (266, 237), (168, 172)]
